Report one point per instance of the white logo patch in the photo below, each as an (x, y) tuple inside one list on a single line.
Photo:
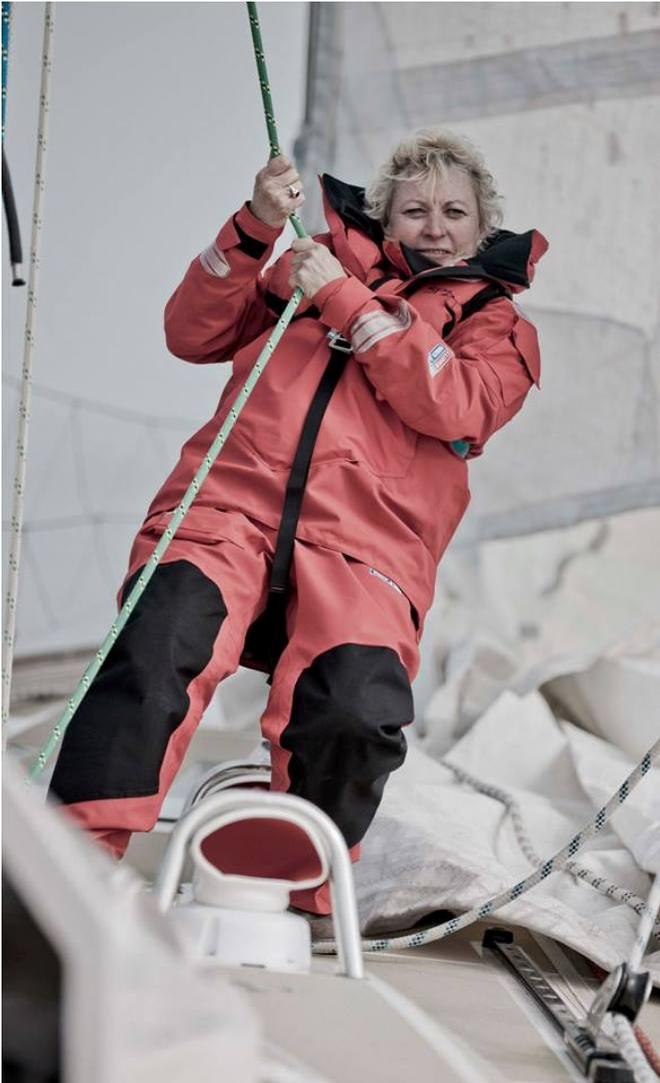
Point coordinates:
[(438, 358), (385, 579)]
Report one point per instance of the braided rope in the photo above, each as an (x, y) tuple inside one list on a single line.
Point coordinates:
[(580, 872), (264, 82), (235, 409), (544, 869), (267, 101), (645, 928), (632, 1050), (648, 1049), (633, 1045), (24, 405)]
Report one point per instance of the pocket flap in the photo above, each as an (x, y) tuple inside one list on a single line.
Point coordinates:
[(200, 524)]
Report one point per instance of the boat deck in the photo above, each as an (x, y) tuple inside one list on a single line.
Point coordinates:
[(475, 1023)]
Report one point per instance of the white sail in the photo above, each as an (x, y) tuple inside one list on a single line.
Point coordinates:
[(563, 99)]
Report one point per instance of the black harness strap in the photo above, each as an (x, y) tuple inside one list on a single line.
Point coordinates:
[(295, 489), (267, 637), (488, 293), (381, 281)]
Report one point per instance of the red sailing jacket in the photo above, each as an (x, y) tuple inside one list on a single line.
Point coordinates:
[(384, 484)]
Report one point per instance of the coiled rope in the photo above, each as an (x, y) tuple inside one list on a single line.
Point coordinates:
[(235, 409), (24, 405), (543, 870)]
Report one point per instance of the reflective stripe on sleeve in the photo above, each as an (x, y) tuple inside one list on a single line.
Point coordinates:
[(374, 326), (214, 262)]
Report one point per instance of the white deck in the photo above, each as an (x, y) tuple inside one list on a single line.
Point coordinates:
[(343, 1030)]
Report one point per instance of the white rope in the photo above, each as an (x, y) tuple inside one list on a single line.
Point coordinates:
[(516, 891), (617, 1025), (580, 872), (626, 1041), (646, 925), (24, 407)]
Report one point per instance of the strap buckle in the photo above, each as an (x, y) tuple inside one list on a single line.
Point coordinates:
[(337, 341)]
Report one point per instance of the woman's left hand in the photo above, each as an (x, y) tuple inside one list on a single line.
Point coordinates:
[(313, 266)]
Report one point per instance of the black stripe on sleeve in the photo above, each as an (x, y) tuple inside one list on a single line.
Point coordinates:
[(250, 245)]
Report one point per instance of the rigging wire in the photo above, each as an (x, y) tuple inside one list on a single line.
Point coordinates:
[(95, 406), (71, 522), (78, 426), (24, 407), (38, 584)]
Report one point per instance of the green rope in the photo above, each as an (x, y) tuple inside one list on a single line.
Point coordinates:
[(267, 100), (234, 412), (263, 80)]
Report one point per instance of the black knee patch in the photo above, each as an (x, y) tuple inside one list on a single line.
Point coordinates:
[(345, 732), (116, 741)]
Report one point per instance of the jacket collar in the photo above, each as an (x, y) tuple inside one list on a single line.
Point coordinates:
[(508, 258)]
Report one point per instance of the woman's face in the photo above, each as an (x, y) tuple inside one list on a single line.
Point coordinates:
[(439, 220)]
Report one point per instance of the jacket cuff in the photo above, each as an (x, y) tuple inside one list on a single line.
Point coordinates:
[(255, 227), (248, 233), (340, 301)]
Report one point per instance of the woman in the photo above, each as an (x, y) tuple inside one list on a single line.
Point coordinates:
[(311, 550)]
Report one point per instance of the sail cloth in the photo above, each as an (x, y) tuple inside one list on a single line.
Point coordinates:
[(564, 102), (438, 844)]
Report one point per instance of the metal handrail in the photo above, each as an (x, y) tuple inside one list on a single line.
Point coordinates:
[(312, 820), (224, 775)]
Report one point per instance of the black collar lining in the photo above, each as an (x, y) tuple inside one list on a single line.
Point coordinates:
[(503, 259)]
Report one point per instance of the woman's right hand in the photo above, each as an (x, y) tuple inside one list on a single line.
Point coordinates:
[(273, 199)]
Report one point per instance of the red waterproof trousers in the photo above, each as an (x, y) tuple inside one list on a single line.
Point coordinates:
[(339, 697)]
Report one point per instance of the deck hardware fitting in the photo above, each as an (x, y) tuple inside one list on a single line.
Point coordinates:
[(624, 993)]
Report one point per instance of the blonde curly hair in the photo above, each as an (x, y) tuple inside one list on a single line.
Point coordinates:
[(427, 154)]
